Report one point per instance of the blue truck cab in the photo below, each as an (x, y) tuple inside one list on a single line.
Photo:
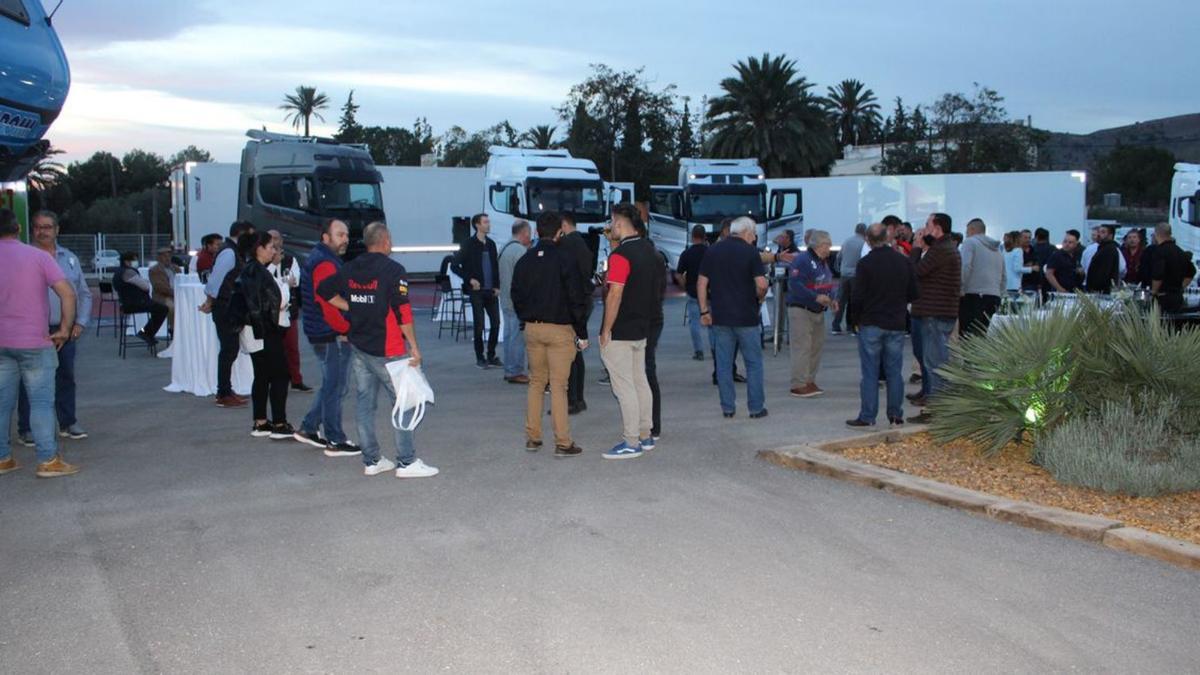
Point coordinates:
[(34, 79)]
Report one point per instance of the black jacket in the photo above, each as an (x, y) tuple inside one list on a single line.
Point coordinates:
[(256, 300), (574, 245), (547, 288), (885, 281), (1105, 268), (468, 264)]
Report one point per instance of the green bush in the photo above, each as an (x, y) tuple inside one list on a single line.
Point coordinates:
[(1132, 446), (1036, 371)]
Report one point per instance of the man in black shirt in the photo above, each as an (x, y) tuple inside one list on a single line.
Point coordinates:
[(885, 281), (477, 263), (686, 273), (373, 290), (580, 254), (1063, 273), (1173, 270), (1105, 269), (733, 271), (548, 296)]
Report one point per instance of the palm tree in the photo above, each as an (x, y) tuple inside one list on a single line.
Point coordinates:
[(540, 137), (854, 111), (46, 173), (768, 113), (304, 105)]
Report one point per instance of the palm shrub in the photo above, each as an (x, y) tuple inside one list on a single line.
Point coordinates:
[(1014, 379), (1131, 446)]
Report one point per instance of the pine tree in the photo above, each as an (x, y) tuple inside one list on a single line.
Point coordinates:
[(686, 146), (349, 130)]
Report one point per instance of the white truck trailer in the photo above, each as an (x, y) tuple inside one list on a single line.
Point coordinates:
[(1055, 200)]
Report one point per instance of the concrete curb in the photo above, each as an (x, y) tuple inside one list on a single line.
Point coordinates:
[(822, 459)]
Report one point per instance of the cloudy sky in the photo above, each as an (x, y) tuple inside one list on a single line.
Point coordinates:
[(165, 74)]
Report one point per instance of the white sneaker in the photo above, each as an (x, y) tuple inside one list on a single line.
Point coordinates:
[(417, 469), (382, 466)]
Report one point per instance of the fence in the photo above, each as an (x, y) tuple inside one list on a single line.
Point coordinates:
[(86, 246)]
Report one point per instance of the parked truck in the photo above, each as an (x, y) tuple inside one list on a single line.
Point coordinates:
[(1184, 213)]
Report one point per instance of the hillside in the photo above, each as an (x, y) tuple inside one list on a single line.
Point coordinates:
[(1179, 134)]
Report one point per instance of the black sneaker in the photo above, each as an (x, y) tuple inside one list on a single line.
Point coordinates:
[(314, 439), (857, 423), (533, 446), (697, 356), (495, 362), (915, 378), (739, 378), (148, 339), (282, 431), (261, 430), (572, 451), (300, 386), (481, 364), (343, 449), (896, 421), (923, 418), (759, 415)]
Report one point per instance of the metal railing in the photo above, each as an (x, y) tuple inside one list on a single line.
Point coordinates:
[(86, 246)]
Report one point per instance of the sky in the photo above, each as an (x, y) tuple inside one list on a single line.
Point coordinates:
[(165, 74)]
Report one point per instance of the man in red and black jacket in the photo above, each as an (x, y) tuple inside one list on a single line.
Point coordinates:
[(373, 290), (326, 329)]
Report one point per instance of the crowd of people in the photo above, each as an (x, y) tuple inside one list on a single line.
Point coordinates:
[(887, 283)]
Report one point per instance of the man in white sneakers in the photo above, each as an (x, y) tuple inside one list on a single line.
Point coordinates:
[(373, 290)]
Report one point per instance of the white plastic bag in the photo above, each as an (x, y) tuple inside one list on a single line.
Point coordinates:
[(412, 393), (248, 343)]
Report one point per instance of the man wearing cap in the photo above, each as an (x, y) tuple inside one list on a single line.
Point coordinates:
[(162, 276)]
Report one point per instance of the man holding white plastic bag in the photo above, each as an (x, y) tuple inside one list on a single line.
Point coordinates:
[(373, 290)]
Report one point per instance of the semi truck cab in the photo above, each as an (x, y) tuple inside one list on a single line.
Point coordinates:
[(1185, 208)]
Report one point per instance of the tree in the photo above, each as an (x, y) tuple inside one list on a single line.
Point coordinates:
[(1142, 175), (98, 176), (143, 170), (349, 130), (540, 137), (600, 112), (768, 113), (631, 156), (459, 148), (189, 154), (976, 135), (47, 172), (394, 146), (686, 145), (303, 105), (854, 111)]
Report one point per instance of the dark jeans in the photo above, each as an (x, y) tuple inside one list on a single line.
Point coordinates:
[(652, 378), (876, 345), (845, 292), (157, 311), (935, 340), (271, 378), (485, 301), (227, 337), (326, 411), (64, 391), (975, 313), (578, 372)]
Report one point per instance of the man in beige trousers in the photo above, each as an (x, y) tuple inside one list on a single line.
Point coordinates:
[(810, 295)]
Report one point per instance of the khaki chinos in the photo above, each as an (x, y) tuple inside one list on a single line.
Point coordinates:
[(626, 363), (806, 335), (551, 349)]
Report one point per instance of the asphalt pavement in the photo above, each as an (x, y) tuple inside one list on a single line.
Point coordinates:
[(185, 545)]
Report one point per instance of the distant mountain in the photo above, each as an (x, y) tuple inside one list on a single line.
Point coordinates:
[(1180, 135)]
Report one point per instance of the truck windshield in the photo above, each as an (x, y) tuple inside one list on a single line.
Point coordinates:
[(584, 199), (336, 194), (714, 207)]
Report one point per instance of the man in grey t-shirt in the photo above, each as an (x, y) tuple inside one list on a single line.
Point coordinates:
[(514, 343), (848, 259)]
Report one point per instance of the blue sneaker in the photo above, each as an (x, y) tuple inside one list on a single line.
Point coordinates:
[(623, 450), (647, 443)]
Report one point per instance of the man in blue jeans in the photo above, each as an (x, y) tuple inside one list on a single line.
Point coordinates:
[(514, 342), (934, 313), (326, 328), (687, 272), (731, 285), (884, 283), (27, 350), (373, 290)]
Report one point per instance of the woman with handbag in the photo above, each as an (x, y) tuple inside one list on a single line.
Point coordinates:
[(262, 308)]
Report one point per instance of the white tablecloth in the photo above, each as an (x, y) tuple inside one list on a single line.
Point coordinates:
[(194, 359)]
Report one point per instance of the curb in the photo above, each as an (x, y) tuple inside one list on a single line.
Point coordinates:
[(821, 459)]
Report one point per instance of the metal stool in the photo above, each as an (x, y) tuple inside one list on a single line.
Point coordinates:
[(126, 320), (107, 297)]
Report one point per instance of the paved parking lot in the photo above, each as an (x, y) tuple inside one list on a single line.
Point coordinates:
[(185, 545)]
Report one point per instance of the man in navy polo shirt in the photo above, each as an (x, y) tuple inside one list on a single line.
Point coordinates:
[(731, 286)]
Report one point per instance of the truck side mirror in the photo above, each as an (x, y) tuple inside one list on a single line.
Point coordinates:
[(677, 206), (615, 196), (303, 190), (776, 210), (1191, 208)]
